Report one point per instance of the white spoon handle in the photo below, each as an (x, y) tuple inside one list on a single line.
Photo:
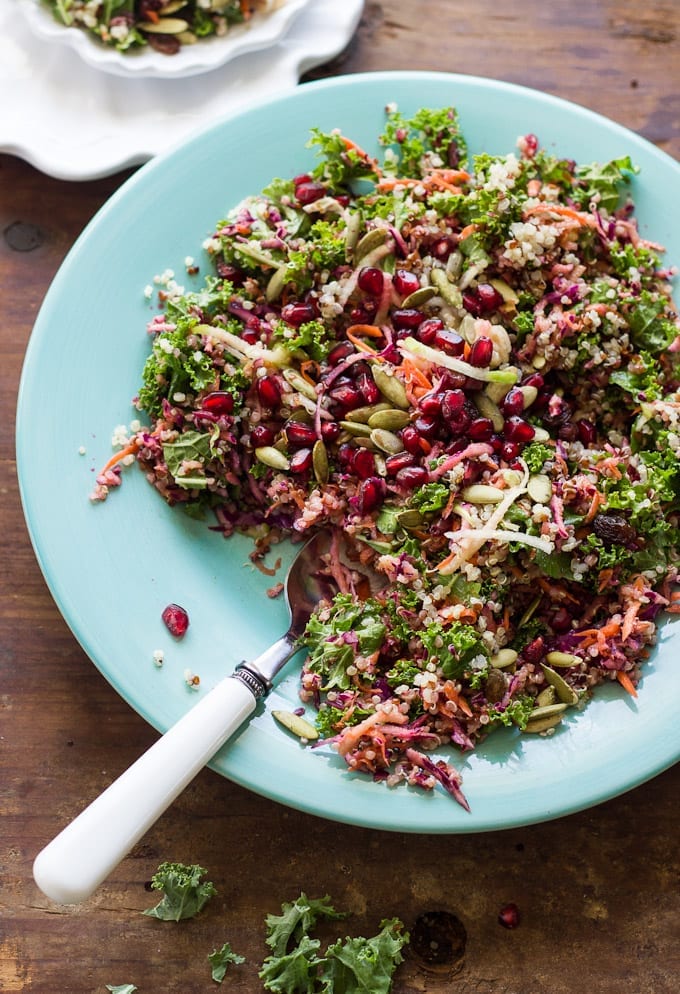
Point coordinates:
[(70, 867)]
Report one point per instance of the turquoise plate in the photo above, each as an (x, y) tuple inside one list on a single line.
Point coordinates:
[(113, 567)]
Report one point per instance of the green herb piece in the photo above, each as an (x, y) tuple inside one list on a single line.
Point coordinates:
[(603, 182), (121, 988), (184, 895), (453, 648), (297, 919), (221, 959), (536, 455), (517, 712), (360, 966), (428, 131)]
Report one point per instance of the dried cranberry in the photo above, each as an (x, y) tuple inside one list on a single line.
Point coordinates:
[(176, 620)]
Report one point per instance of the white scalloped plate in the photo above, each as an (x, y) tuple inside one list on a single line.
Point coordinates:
[(261, 32), (75, 123)]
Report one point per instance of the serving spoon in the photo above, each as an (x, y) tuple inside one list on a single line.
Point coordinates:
[(84, 853)]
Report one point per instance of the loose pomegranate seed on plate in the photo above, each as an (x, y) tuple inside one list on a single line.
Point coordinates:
[(176, 620), (509, 916)]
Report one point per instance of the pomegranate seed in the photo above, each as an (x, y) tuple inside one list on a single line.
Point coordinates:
[(269, 391), (368, 389), (371, 280), (347, 396), (489, 298), (297, 313), (365, 313), (426, 426), (427, 331), (508, 916), (534, 380), (250, 335), (459, 422), (302, 178), (497, 443), (449, 341), (481, 352), (561, 620), (412, 476), (510, 451), (513, 402), (441, 249), (301, 461), (232, 274), (176, 620), (399, 461), (453, 402), (480, 430), (300, 434), (339, 352), (535, 650), (309, 191), (431, 403), (405, 282), (518, 430), (330, 430), (345, 456), (407, 318), (371, 494), (411, 438), (261, 435), (587, 432), (218, 402), (530, 145), (568, 432), (363, 463), (473, 471)]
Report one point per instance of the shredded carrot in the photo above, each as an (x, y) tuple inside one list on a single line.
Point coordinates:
[(453, 695), (129, 450), (629, 620), (153, 16), (604, 579), (356, 332), (310, 364), (546, 208), (352, 146), (465, 232), (626, 682), (414, 375), (595, 504)]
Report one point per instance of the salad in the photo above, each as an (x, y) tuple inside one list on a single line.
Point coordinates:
[(164, 25), (466, 368)]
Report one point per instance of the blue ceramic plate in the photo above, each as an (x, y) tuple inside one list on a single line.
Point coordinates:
[(113, 567)]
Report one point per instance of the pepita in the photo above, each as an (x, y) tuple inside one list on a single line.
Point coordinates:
[(419, 297), (364, 414), (482, 493), (410, 518), (529, 393), (270, 456), (488, 409), (503, 658), (447, 290), (563, 659), (276, 284), (392, 419), (565, 693), (507, 293), (390, 387), (354, 222), (299, 383), (172, 7), (542, 724), (356, 428), (541, 435), (547, 711), (371, 240), (320, 462), (547, 696), (296, 724), (164, 26), (539, 488), (387, 441)]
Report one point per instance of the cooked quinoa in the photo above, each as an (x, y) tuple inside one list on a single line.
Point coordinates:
[(465, 367)]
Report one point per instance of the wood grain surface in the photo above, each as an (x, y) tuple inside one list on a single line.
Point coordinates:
[(599, 891)]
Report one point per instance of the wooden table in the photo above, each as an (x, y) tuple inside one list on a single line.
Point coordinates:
[(599, 891)]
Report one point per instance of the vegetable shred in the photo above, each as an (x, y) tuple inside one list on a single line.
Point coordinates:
[(465, 366)]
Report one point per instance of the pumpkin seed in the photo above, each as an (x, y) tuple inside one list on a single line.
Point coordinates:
[(529, 393), (172, 7), (387, 441), (542, 724), (547, 711), (276, 284), (488, 409), (467, 328), (503, 658), (539, 488), (507, 293), (390, 387), (447, 290), (354, 222), (496, 391), (392, 419), (299, 383), (410, 518), (481, 493), (164, 26), (547, 696), (529, 613), (364, 414), (541, 435), (563, 659), (565, 693), (419, 297), (301, 414), (270, 456), (371, 240), (356, 428), (320, 461), (296, 724)]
